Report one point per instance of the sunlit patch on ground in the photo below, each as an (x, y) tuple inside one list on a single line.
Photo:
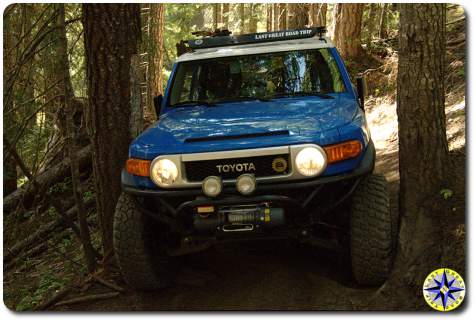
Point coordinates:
[(382, 119), (456, 125)]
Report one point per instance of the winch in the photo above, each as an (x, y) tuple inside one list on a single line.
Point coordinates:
[(237, 218)]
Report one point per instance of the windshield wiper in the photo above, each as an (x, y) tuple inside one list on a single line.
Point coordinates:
[(195, 103)]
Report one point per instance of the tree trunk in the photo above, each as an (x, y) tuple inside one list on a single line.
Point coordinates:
[(225, 15), (136, 123), (347, 32), (297, 15), (18, 83), (317, 14), (242, 15), (383, 33), (216, 16), (72, 130), (53, 75), (371, 23), (155, 52), (275, 16), (111, 35), (282, 16), (253, 7), (9, 175), (423, 151), (9, 165), (269, 17)]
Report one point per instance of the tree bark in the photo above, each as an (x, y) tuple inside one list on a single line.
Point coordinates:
[(72, 130), (269, 17), (347, 32), (155, 58), (282, 16), (423, 150), (225, 15), (136, 124), (253, 7), (9, 165), (242, 15), (297, 15), (275, 16), (216, 16), (9, 176), (383, 33), (111, 35), (317, 14), (371, 23)]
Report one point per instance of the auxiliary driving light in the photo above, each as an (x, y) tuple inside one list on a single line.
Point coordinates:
[(212, 186), (246, 184), (311, 161)]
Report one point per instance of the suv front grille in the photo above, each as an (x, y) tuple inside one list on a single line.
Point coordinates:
[(196, 171)]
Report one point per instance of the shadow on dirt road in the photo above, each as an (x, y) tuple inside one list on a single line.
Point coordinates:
[(266, 275)]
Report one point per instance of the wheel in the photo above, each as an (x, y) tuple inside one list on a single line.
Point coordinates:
[(371, 235), (141, 258)]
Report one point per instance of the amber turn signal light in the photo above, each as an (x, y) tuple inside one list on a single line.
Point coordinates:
[(346, 150), (138, 167)]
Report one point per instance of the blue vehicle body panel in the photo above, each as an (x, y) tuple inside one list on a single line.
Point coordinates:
[(308, 119)]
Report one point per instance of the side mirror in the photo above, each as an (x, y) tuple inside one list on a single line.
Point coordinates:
[(157, 103), (361, 89)]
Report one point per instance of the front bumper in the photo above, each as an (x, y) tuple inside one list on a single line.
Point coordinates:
[(365, 167)]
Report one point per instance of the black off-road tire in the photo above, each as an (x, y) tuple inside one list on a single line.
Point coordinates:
[(371, 232), (143, 267)]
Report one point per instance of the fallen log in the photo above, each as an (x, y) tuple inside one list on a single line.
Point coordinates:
[(56, 174), (88, 298), (55, 298), (455, 42), (42, 232), (29, 254), (108, 284)]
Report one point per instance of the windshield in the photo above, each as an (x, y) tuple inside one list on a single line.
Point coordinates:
[(262, 76)]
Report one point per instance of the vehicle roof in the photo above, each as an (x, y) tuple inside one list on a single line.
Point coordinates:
[(257, 48)]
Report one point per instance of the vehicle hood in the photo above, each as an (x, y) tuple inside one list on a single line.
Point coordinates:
[(250, 124)]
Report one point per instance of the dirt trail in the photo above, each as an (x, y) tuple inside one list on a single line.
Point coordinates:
[(268, 275)]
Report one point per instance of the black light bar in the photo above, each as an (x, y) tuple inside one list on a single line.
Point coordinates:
[(221, 41)]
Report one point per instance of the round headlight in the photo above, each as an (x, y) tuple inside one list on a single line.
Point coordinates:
[(310, 161), (163, 172), (212, 186), (246, 184)]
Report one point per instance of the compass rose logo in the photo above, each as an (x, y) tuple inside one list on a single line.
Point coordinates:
[(444, 289)]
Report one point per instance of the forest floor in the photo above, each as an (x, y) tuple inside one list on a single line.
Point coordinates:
[(263, 275)]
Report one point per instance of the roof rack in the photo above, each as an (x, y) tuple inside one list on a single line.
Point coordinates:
[(221, 38)]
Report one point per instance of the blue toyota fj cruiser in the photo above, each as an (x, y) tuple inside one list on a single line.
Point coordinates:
[(259, 136)]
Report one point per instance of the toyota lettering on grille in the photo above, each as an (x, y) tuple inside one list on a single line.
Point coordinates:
[(233, 168)]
